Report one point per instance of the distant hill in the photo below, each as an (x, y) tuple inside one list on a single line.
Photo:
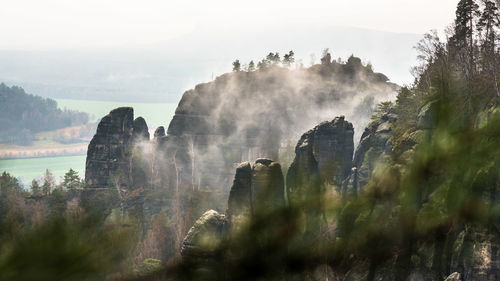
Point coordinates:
[(22, 115), (162, 72)]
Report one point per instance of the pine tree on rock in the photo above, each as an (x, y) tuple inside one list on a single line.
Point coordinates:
[(236, 66), (462, 42)]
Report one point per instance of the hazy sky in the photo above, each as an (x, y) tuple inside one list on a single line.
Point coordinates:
[(35, 24)]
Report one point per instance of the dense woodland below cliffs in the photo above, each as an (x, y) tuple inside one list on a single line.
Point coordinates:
[(22, 115), (259, 177)]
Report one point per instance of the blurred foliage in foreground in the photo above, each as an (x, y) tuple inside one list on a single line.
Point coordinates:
[(65, 249)]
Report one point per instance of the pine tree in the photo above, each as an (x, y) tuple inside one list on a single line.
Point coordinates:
[(236, 66), (262, 64), (35, 188), (273, 58), (462, 41), (487, 24), (71, 180), (288, 59), (251, 66), (48, 183), (326, 57)]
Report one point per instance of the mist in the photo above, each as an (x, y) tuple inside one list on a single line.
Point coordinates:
[(162, 71), (246, 115)]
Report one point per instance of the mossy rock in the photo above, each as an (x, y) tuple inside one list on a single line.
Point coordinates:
[(205, 236)]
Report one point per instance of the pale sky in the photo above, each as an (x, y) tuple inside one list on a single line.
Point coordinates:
[(69, 24)]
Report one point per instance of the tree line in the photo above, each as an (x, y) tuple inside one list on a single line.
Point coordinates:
[(22, 115), (272, 59)]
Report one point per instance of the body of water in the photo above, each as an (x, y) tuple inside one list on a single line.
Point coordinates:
[(155, 114), (34, 168)]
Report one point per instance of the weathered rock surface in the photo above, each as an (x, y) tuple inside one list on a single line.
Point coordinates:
[(159, 132), (256, 189), (108, 154), (243, 116), (240, 195), (268, 188), (172, 164), (453, 277), (205, 235), (113, 157), (323, 160), (375, 143), (141, 131), (323, 157)]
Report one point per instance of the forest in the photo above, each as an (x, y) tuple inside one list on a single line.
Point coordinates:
[(22, 115)]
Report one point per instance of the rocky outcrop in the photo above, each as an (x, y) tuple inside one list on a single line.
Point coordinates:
[(141, 131), (256, 189), (240, 196), (159, 132), (323, 158), (239, 117), (113, 157), (172, 164), (268, 189), (375, 143), (108, 154), (243, 116), (453, 277), (204, 237)]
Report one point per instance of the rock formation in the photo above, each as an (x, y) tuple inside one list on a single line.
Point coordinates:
[(323, 157), (112, 158), (375, 143), (205, 235), (256, 189), (323, 160), (248, 115), (108, 154), (240, 196), (159, 132), (268, 189), (141, 132)]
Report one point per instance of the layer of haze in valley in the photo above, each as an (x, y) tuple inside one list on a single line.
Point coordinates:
[(152, 77), (161, 72)]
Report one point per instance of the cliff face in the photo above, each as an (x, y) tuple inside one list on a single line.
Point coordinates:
[(374, 144), (243, 116), (112, 156), (323, 155), (108, 154), (240, 116), (469, 253), (323, 159), (323, 167), (256, 190), (140, 131)]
